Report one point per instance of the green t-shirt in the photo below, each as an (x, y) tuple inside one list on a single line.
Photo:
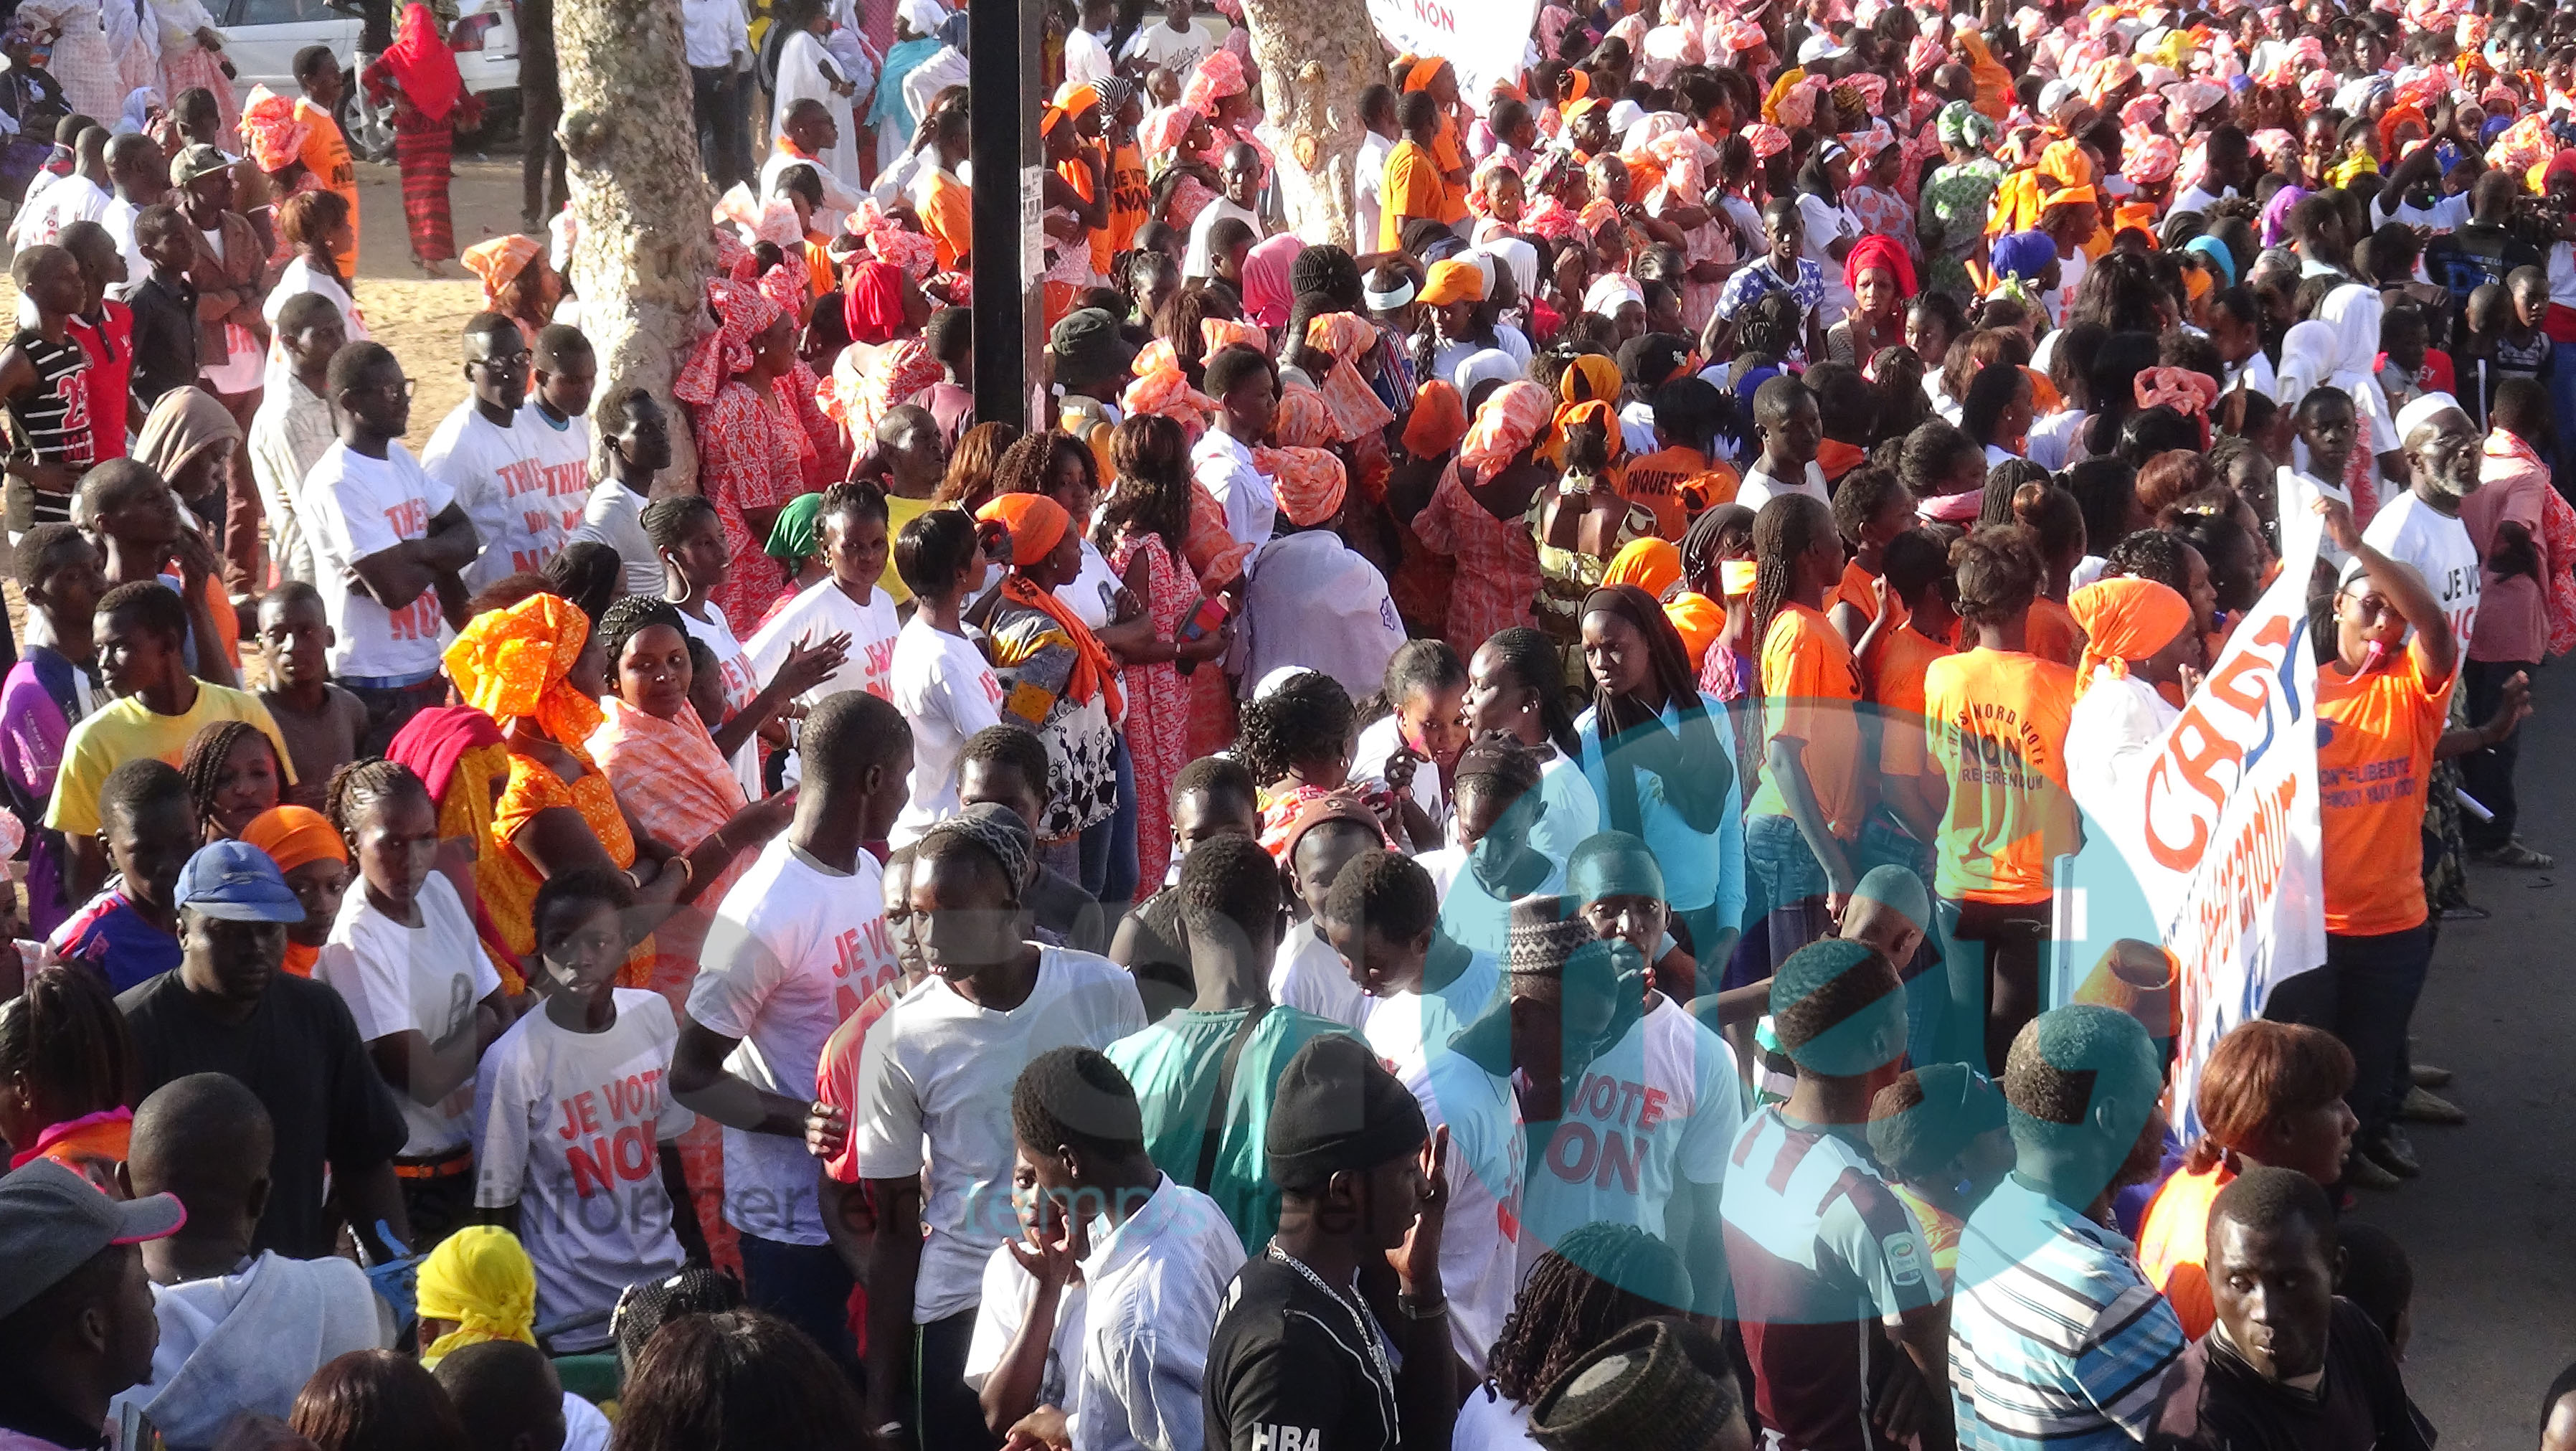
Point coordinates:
[(1174, 1066)]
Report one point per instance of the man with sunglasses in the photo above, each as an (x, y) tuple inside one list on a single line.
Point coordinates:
[(388, 540), (484, 458)]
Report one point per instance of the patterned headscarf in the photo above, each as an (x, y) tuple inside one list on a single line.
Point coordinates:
[(2179, 389), (2153, 159), (1161, 133), (1512, 419), (501, 259), (511, 664), (271, 130), (1766, 140), (772, 221), (997, 830), (1355, 406), (1310, 482), (1962, 125), (892, 373), (1161, 387), (1218, 76), (742, 314), (1216, 334)]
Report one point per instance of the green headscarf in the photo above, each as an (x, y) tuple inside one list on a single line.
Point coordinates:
[(793, 539)]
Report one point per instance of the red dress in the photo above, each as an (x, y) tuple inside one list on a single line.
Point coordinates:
[(749, 456), (1158, 705), (1498, 573)]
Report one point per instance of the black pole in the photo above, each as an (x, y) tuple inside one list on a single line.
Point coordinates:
[(1007, 64)]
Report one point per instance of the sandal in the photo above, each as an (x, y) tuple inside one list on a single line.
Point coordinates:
[(2515, 854)]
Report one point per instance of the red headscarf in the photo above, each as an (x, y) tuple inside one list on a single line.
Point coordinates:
[(423, 65), (1884, 253), (433, 741), (873, 310)]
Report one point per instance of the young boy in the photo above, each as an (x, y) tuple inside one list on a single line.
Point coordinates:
[(1006, 766), (639, 446), (41, 383), (554, 424), (321, 722), (1212, 797), (293, 427), (2522, 348), (573, 1116), (164, 304), (139, 629), (128, 508), (51, 688), (388, 541), (1939, 1133), (1785, 413), (2327, 428), (914, 461), (104, 328), (241, 1330), (148, 828)]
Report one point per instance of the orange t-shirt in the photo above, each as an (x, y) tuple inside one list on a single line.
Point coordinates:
[(1450, 156), (1413, 188), (326, 155), (1896, 685), (1655, 481), (1856, 590), (2374, 760), (2173, 1245), (1131, 197), (1810, 685), (1700, 620), (1996, 727), (1078, 176), (949, 217), (2052, 633)]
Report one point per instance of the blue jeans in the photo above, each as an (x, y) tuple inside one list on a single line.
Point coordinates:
[(1792, 884), (2364, 995), (808, 1286), (1109, 866)]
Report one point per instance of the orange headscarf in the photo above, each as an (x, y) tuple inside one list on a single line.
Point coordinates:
[(1220, 333), (294, 836), (1652, 565), (1438, 421), (1515, 417), (1355, 406), (2125, 619), (510, 664), (499, 260), (1037, 524), (1161, 387)]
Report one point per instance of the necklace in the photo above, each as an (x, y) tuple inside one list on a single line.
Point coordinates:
[(1361, 1318)]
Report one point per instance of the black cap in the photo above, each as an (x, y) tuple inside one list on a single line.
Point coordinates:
[(1087, 343), (1337, 1108)]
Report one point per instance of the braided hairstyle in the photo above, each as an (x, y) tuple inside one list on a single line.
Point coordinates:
[(666, 520), (1599, 1279), (203, 766), (1533, 660), (1310, 718), (1999, 572), (63, 1035), (362, 784), (1786, 528), (630, 616)]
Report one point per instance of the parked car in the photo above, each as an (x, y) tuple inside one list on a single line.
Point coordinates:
[(262, 37)]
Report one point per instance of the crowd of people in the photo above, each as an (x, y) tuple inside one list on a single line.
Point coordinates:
[(1456, 849)]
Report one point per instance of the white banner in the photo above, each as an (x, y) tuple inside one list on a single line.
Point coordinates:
[(2222, 833), (1483, 40)]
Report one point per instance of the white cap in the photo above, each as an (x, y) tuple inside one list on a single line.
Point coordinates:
[(2425, 408)]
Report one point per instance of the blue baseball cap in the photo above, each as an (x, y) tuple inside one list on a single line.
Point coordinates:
[(237, 882)]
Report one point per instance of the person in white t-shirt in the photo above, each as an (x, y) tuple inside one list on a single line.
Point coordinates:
[(690, 540), (939, 680), (480, 456), (1155, 1257), (404, 956), (2422, 526), (1493, 860), (1368, 169), (1784, 413), (639, 446), (798, 944), (576, 1135), (1175, 44), (1307, 973), (388, 541), (845, 604), (554, 426), (934, 1094)]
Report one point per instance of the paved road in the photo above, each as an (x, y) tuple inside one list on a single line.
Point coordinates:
[(2488, 1226)]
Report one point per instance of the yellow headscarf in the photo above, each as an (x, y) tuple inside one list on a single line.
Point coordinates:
[(510, 664), (480, 1278)]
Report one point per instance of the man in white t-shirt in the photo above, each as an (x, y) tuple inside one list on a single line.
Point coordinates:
[(552, 426), (1174, 43), (479, 455), (639, 446), (388, 541), (934, 1093), (1246, 388), (1307, 973), (845, 604), (798, 944), (1368, 171), (1791, 429), (2422, 526)]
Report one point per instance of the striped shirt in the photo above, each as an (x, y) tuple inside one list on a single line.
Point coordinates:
[(53, 416), (2056, 1338)]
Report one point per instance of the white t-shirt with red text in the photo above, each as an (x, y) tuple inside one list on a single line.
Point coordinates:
[(356, 507), (817, 613), (1663, 1104), (563, 460), (740, 686), (569, 1127), (794, 949), (502, 490)]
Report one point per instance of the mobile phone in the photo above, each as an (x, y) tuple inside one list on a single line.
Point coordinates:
[(1205, 619)]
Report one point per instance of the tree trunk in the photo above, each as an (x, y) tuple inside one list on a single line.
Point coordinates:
[(1316, 56), (642, 253)]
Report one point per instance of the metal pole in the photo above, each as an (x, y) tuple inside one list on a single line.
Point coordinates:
[(1007, 62)]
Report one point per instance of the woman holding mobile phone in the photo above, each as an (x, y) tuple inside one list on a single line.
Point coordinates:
[(1143, 526)]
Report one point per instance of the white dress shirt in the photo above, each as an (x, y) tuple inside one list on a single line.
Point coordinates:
[(1224, 467)]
